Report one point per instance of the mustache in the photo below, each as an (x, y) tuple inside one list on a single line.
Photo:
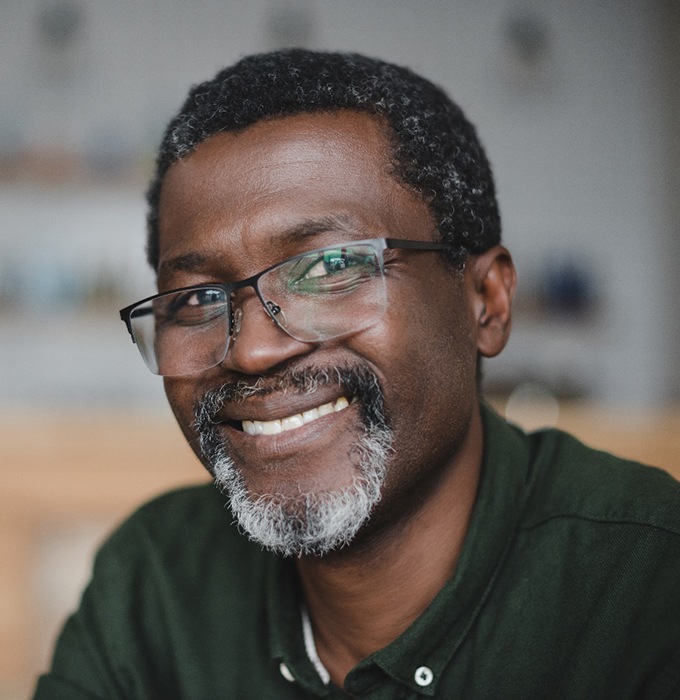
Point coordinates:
[(358, 381)]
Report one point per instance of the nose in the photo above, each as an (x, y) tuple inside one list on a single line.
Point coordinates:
[(257, 343)]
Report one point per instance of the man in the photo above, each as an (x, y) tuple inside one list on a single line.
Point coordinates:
[(327, 246)]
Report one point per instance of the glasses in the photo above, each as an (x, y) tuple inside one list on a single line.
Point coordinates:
[(315, 296)]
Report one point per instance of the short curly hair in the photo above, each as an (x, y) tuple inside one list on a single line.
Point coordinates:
[(435, 149)]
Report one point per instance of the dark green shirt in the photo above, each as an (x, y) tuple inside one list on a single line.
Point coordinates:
[(568, 587)]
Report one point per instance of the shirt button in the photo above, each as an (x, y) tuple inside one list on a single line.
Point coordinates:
[(423, 676), (285, 672)]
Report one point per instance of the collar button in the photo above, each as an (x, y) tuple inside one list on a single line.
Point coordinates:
[(285, 672), (423, 676)]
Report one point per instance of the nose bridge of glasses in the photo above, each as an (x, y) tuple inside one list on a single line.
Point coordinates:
[(249, 297), (258, 339)]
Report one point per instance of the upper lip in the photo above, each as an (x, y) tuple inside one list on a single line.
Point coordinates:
[(279, 405)]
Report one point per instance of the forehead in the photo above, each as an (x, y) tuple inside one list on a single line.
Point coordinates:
[(271, 190)]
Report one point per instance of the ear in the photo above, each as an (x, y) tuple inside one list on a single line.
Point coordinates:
[(491, 280)]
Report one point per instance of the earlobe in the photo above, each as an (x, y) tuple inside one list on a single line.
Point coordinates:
[(494, 280)]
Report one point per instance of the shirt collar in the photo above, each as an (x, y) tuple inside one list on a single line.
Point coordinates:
[(286, 638), (435, 636)]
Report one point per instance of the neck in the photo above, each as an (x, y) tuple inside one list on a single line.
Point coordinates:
[(362, 598)]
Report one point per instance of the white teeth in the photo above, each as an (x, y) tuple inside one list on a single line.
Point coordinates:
[(252, 429), (326, 409), (292, 422), (271, 427), (341, 403), (310, 415)]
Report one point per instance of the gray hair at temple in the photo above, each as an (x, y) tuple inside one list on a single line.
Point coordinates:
[(435, 149)]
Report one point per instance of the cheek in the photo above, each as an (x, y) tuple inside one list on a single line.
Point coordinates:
[(181, 396), (426, 361), (425, 352), (428, 347)]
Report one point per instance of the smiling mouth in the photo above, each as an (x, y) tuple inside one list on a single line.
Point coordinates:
[(273, 427)]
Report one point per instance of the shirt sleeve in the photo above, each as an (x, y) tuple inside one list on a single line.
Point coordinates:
[(666, 685), (81, 666), (86, 663), (133, 636), (104, 650), (52, 688)]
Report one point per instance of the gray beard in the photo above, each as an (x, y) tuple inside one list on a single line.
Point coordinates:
[(311, 523)]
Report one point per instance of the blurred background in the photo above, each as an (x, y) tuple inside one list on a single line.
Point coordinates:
[(578, 104)]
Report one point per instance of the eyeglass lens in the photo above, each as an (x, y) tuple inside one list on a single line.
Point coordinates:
[(313, 297)]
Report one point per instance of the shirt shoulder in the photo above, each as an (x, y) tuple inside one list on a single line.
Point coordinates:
[(590, 573), (176, 601), (182, 530), (185, 538), (568, 479), (206, 506)]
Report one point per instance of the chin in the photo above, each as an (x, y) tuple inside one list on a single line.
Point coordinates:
[(312, 522)]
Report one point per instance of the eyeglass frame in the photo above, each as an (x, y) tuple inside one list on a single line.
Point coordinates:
[(379, 244)]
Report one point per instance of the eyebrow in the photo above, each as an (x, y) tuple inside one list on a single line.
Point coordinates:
[(183, 263), (313, 227), (195, 261)]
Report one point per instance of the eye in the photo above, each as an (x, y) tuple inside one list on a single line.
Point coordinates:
[(193, 307), (330, 262), (202, 297), (325, 272)]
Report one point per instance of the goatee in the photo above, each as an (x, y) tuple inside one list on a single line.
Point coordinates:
[(308, 523)]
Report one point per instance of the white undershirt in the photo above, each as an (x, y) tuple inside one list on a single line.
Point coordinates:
[(310, 647)]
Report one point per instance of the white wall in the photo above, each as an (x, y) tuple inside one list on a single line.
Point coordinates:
[(576, 140)]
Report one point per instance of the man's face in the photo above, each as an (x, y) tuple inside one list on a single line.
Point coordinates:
[(242, 202)]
